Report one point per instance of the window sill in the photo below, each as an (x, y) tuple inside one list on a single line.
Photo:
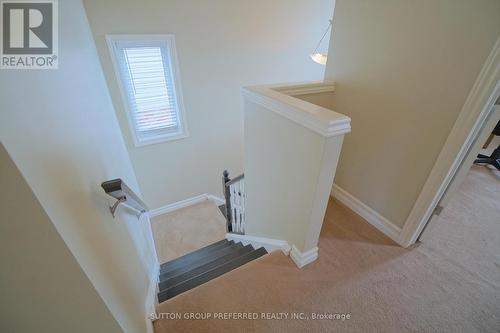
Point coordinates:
[(161, 139)]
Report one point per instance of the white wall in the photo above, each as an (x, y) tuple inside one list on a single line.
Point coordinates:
[(291, 153), (403, 70), (222, 46), (283, 162), (60, 129), (43, 288)]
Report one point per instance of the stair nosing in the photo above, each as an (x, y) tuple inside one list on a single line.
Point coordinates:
[(237, 245), (250, 247), (177, 263), (211, 270), (213, 245)]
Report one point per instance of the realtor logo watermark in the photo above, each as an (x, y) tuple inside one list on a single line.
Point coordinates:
[(29, 34)]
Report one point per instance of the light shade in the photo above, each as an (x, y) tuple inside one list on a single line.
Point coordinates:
[(319, 58)]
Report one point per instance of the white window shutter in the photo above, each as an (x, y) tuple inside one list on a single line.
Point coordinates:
[(147, 81)]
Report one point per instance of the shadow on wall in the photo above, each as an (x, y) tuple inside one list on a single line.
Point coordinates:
[(40, 268)]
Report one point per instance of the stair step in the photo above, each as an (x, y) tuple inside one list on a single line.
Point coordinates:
[(235, 253), (178, 262), (211, 274), (199, 261)]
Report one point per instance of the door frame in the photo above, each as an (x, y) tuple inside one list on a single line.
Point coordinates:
[(467, 128), (490, 123)]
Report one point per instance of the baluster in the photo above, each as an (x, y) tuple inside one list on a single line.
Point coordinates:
[(242, 220), (242, 206), (235, 216), (237, 196), (227, 194), (233, 207)]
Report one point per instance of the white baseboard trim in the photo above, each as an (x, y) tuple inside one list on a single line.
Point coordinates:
[(218, 201), (268, 243), (151, 300), (370, 215), (303, 258), (185, 203)]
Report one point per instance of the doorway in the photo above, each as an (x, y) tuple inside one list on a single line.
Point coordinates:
[(474, 192)]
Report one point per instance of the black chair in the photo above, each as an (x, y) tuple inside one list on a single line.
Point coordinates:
[(494, 158)]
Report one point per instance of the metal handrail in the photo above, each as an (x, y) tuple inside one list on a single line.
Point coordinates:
[(235, 179), (123, 195)]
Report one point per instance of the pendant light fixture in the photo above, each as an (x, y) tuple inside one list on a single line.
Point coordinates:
[(317, 57)]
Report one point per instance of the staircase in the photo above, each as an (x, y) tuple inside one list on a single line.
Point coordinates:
[(203, 265)]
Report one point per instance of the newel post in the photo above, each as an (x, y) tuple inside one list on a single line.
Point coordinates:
[(227, 194)]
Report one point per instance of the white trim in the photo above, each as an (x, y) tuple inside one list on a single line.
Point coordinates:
[(185, 203), (218, 201), (324, 183), (476, 148), (307, 88), (152, 243), (303, 258), (268, 243), (111, 39), (370, 215), (151, 300), (314, 117), (474, 113)]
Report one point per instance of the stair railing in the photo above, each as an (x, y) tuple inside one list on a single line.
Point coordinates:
[(117, 189), (234, 194)]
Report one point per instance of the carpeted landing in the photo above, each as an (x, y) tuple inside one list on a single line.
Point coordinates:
[(187, 229)]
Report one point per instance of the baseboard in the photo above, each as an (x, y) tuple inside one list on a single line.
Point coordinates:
[(370, 215), (303, 258), (185, 203), (268, 243), (151, 300), (218, 201)]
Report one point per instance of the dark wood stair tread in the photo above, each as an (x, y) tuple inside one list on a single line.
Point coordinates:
[(212, 273), (200, 253), (197, 261), (238, 250)]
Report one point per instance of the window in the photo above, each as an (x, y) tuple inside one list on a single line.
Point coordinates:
[(146, 68)]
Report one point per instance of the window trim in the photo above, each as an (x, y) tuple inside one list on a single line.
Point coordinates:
[(111, 40)]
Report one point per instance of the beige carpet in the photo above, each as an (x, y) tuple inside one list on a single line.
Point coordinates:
[(448, 283), (187, 229)]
